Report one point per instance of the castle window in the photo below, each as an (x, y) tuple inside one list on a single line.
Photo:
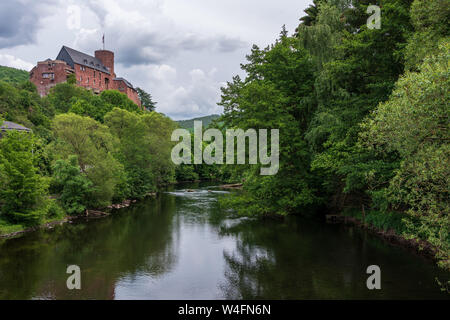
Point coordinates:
[(81, 78), (48, 75)]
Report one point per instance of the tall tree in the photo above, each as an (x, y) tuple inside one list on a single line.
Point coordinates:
[(277, 93), (415, 124), (311, 13), (94, 146), (146, 100), (22, 190)]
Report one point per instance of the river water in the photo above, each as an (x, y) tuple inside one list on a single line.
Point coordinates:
[(181, 246)]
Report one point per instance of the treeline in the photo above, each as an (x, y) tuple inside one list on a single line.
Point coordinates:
[(12, 75), (85, 151), (363, 117)]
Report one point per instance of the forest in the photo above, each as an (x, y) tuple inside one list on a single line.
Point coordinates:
[(363, 117), (85, 151)]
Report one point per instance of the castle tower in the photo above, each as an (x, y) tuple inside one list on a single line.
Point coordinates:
[(107, 58)]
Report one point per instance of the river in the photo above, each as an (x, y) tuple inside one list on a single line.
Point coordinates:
[(181, 245)]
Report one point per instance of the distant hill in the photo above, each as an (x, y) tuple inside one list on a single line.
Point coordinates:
[(189, 124), (12, 75)]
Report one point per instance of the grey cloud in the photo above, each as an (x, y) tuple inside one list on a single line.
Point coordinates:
[(154, 39), (154, 48), (19, 21), (227, 44)]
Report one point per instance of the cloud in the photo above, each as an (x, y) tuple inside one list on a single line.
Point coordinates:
[(20, 21), (228, 44), (197, 97), (180, 51), (13, 62), (148, 35), (181, 96)]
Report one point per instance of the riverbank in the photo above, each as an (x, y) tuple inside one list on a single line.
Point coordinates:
[(10, 231), (151, 251), (13, 230), (390, 228), (421, 247)]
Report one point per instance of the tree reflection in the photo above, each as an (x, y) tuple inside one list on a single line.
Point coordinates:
[(304, 259), (106, 250)]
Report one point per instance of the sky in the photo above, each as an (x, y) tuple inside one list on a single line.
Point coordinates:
[(181, 52)]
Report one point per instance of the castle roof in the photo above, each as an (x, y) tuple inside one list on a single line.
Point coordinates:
[(72, 56), (124, 80), (8, 125)]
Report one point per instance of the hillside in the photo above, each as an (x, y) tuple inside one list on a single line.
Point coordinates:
[(12, 75), (189, 124)]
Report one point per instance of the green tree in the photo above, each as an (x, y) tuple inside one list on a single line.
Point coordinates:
[(74, 187), (431, 21), (23, 192), (94, 107), (94, 147), (133, 151), (144, 148), (146, 100), (62, 95), (12, 75), (71, 79), (414, 124), (277, 93), (119, 100), (311, 13), (359, 73), (158, 130)]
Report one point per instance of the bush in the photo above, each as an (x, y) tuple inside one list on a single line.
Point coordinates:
[(74, 187), (23, 192), (54, 210)]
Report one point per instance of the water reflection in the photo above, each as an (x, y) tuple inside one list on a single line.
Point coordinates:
[(137, 241), (183, 246), (304, 259)]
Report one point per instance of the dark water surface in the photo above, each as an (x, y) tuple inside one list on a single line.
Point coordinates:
[(180, 246)]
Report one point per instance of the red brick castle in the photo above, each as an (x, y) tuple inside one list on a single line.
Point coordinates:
[(93, 73)]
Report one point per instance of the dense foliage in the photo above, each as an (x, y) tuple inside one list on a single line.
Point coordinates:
[(189, 124), (146, 100), (85, 151), (12, 75), (363, 118), (357, 129)]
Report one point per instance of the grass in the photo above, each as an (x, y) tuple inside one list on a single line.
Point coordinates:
[(7, 228), (381, 220)]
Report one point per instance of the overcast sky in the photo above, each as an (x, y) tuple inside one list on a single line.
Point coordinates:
[(181, 51)]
